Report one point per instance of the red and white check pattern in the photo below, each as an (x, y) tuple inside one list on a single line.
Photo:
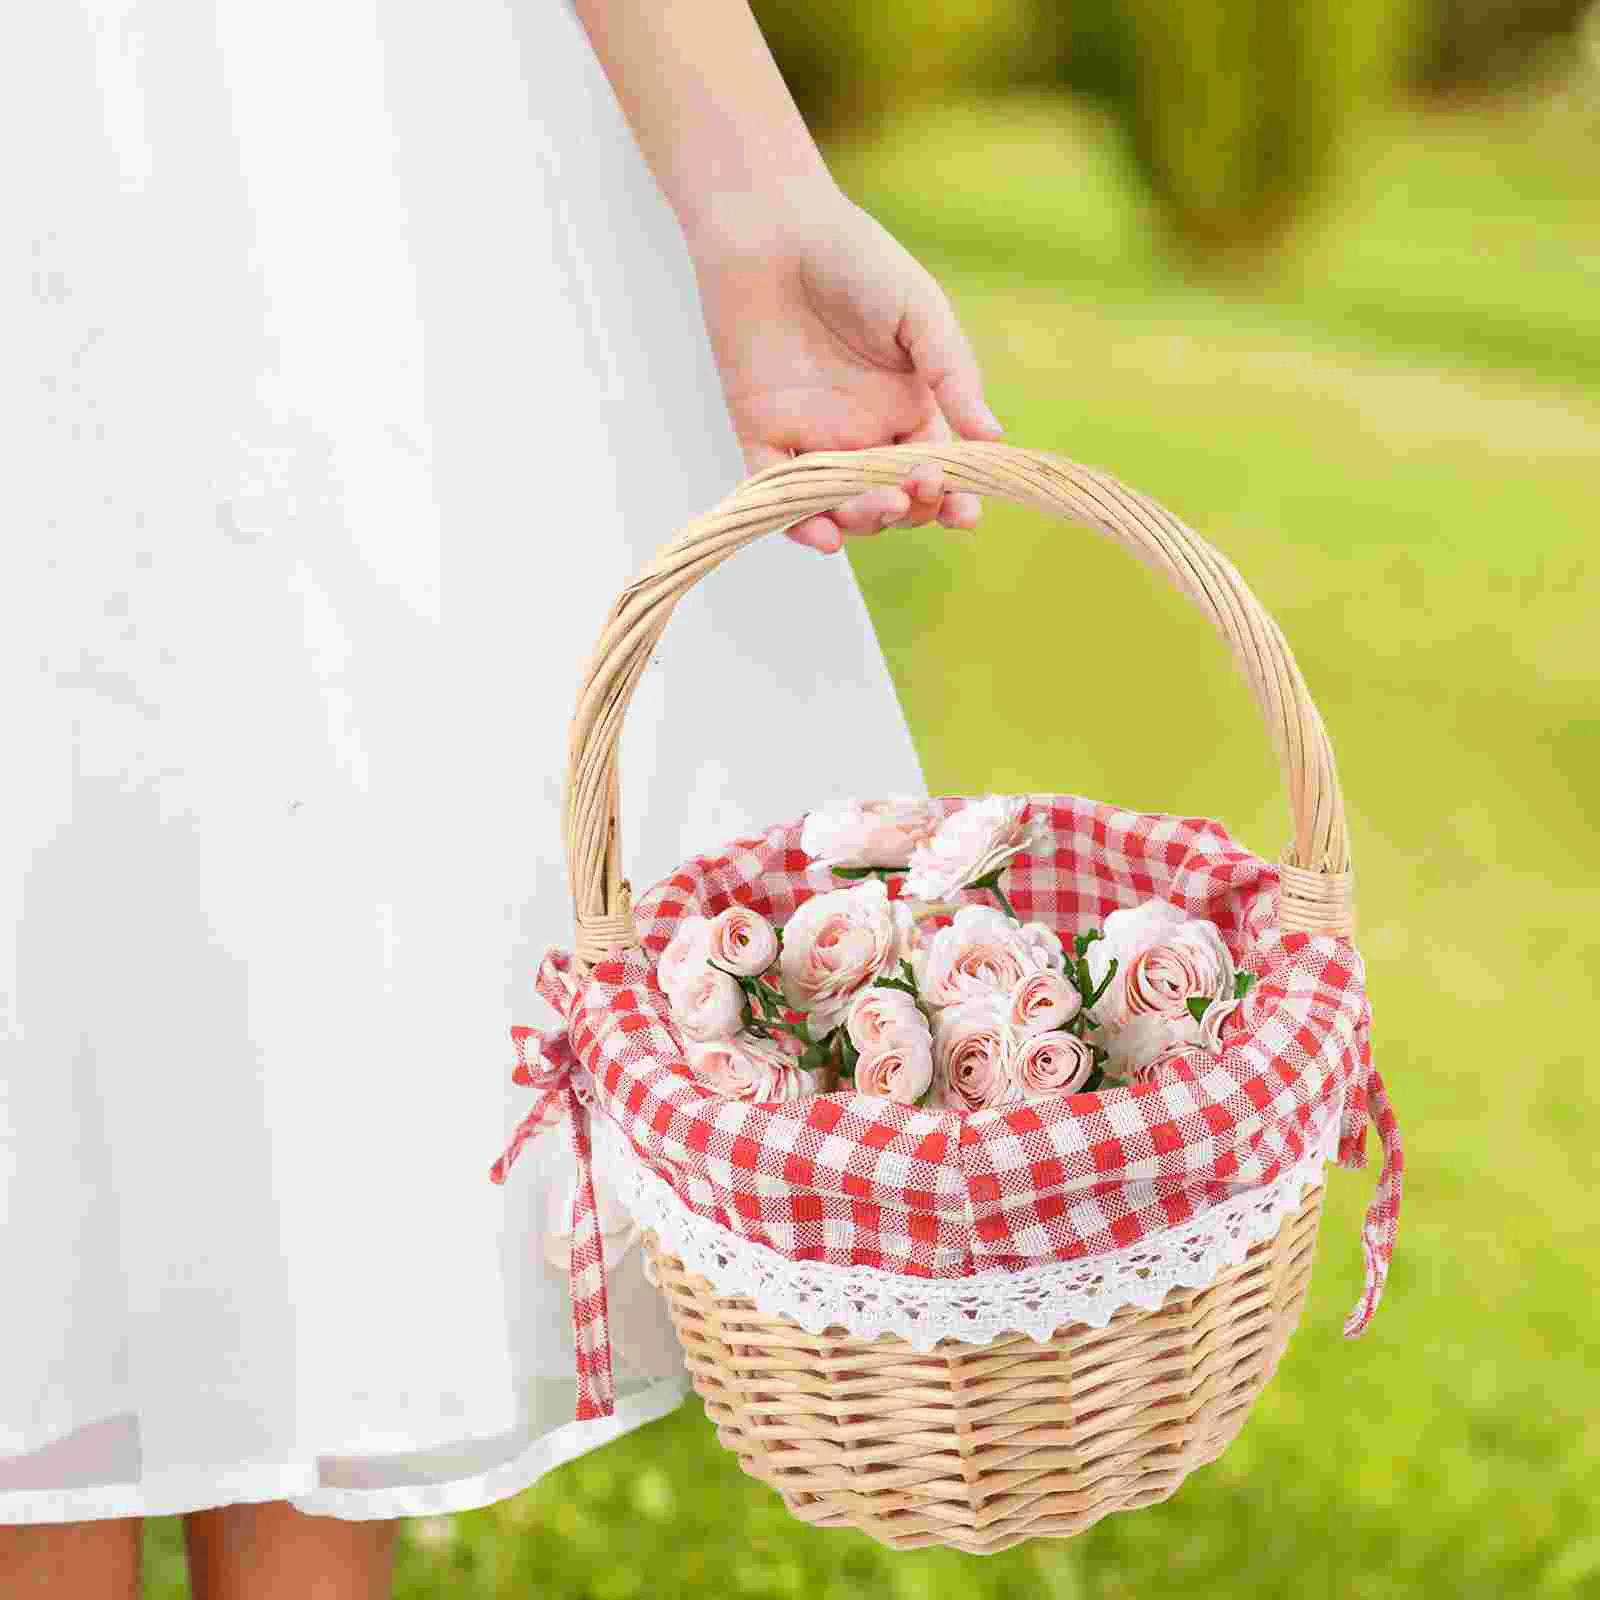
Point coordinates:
[(856, 1181), (563, 1092)]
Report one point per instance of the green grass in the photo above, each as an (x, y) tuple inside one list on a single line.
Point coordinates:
[(1397, 442)]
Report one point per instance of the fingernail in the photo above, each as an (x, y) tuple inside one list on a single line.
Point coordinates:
[(993, 421)]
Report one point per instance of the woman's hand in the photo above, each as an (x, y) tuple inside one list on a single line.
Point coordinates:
[(829, 335)]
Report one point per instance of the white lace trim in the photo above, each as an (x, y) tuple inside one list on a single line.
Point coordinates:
[(1035, 1301)]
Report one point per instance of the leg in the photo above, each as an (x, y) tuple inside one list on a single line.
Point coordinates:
[(243, 1551), (58, 1560)]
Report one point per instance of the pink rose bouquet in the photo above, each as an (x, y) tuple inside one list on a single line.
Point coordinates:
[(862, 988)]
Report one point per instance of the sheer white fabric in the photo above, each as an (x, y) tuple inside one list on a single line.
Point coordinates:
[(354, 362)]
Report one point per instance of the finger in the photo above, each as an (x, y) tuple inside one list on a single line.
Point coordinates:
[(925, 483), (958, 509), (871, 510), (961, 511), (818, 533), (815, 533), (759, 455), (944, 359)]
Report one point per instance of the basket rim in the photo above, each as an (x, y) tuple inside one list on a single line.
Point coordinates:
[(1034, 1299)]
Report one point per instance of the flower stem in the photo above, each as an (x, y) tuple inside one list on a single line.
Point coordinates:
[(1000, 895)]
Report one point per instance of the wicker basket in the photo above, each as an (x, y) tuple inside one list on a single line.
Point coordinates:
[(981, 1446), (976, 1446)]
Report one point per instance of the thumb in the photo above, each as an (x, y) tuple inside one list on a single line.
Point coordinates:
[(944, 359), (759, 455)]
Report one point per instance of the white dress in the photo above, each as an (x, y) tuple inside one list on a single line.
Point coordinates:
[(354, 362)]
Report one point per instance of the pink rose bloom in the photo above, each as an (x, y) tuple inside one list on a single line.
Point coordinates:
[(909, 936), (1144, 1042), (1210, 1026), (685, 955), (872, 833), (972, 843), (881, 1017), (983, 952), (743, 941), (1043, 1001), (708, 1006), (901, 1071), (1053, 1063), (1164, 960), (972, 1048), (747, 1067), (1132, 1048), (1169, 1059), (835, 945)]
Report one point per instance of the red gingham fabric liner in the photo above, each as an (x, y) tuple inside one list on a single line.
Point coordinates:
[(855, 1181)]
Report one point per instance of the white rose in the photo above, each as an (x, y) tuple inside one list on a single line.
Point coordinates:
[(972, 843), (743, 941), (982, 952), (871, 833), (835, 945), (709, 1005)]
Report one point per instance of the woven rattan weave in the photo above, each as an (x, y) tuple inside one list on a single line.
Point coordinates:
[(982, 1446)]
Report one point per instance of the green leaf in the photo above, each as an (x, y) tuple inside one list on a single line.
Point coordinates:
[(1198, 1006), (1243, 983), (1095, 1080), (1105, 982), (1080, 945), (895, 983)]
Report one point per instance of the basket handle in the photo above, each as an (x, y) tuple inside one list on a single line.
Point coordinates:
[(1316, 889)]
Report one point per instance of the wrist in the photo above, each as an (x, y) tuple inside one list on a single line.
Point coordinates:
[(741, 220)]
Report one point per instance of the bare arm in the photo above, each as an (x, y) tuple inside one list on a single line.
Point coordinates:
[(828, 334), (710, 111)]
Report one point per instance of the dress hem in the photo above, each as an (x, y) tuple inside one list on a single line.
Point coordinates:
[(177, 1493)]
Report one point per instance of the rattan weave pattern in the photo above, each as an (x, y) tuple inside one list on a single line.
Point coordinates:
[(979, 1447)]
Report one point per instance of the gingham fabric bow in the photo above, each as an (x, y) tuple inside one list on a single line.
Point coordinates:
[(553, 1069), (1367, 1097)]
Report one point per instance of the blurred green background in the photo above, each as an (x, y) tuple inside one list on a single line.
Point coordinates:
[(1324, 279)]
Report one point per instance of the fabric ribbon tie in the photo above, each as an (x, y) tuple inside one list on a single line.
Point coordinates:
[(547, 1063), (1381, 1228)]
